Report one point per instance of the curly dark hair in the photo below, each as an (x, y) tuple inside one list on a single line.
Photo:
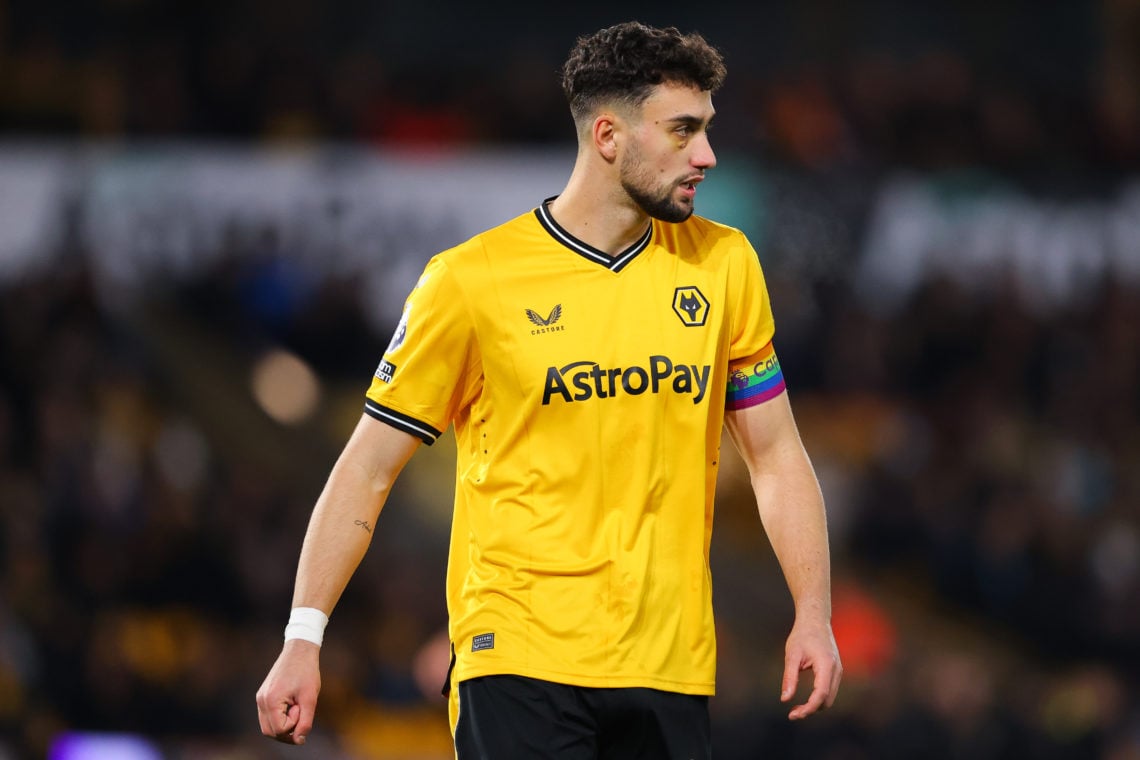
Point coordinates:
[(624, 63)]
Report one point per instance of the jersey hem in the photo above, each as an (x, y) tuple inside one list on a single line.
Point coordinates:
[(577, 679)]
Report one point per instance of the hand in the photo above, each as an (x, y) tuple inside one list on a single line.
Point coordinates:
[(287, 698), (811, 647)]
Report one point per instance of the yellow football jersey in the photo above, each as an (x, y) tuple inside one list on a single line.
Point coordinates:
[(588, 395)]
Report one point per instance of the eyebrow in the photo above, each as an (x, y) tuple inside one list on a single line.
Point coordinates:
[(689, 120)]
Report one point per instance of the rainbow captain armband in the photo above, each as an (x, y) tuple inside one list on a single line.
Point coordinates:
[(754, 380)]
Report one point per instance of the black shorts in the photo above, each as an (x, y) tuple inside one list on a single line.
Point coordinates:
[(516, 718)]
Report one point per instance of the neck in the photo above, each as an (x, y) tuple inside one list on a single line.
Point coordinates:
[(597, 211)]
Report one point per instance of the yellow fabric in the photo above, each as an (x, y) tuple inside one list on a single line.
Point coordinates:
[(588, 400)]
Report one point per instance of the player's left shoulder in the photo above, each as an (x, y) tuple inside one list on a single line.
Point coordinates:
[(711, 226), (703, 237)]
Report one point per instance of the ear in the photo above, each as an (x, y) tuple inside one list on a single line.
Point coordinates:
[(605, 133)]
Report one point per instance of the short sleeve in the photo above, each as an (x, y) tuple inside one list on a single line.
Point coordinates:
[(754, 374), (428, 370), (752, 322)]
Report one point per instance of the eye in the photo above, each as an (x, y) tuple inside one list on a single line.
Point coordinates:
[(684, 130)]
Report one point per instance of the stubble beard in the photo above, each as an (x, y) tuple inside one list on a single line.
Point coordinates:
[(656, 201)]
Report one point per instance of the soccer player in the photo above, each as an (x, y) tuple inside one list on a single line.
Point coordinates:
[(588, 354)]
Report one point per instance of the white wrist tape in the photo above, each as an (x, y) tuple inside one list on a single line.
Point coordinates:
[(306, 623)]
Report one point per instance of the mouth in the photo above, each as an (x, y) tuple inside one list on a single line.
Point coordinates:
[(689, 185)]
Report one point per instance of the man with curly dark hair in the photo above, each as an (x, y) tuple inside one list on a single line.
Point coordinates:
[(588, 355)]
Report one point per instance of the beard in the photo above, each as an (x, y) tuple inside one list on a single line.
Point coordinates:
[(655, 200)]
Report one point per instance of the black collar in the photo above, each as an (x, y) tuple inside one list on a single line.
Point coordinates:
[(612, 263)]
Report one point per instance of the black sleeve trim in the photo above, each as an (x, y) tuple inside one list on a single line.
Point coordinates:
[(410, 425)]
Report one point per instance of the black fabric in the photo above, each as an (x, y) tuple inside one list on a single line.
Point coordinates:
[(527, 719), (445, 690)]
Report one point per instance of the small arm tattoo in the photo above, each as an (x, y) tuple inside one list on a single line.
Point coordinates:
[(363, 524)]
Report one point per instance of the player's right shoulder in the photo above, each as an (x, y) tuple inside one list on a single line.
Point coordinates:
[(474, 254)]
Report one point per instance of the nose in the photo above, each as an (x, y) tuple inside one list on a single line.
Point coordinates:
[(703, 156)]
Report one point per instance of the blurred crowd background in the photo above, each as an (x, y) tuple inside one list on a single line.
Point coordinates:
[(946, 201)]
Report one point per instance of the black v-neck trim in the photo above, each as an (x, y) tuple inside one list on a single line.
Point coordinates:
[(587, 251)]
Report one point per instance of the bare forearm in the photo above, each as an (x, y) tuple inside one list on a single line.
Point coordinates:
[(340, 530), (791, 508), (339, 533), (344, 519)]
